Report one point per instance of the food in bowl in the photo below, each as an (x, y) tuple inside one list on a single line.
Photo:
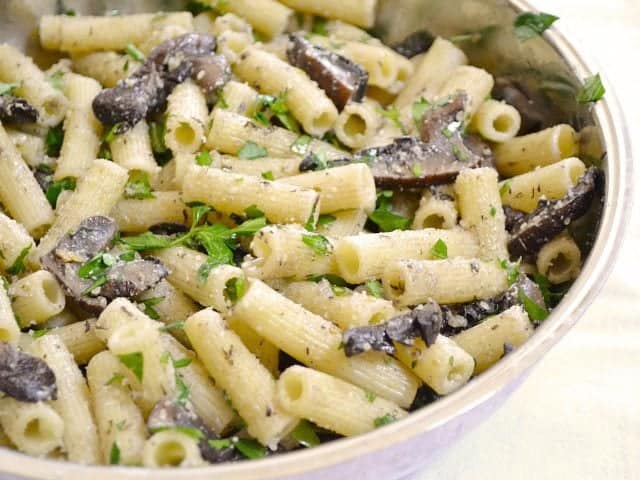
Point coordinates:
[(223, 241)]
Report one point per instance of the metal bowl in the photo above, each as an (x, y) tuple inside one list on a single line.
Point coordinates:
[(551, 63)]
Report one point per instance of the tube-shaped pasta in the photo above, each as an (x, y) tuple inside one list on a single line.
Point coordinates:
[(523, 154), (435, 212), (432, 72), (132, 150), (82, 129), (118, 419), (357, 124), (86, 33), (443, 366), (560, 259), (412, 282), (207, 399), (31, 147), (266, 352), (9, 329), (347, 310), (497, 121), (239, 97), (19, 191), (233, 193), (37, 298), (108, 68), (289, 251), (159, 34), (342, 224), (72, 404), (523, 192), (333, 403), (266, 16), (363, 257), (308, 102), (248, 383), (96, 194), (186, 118), (341, 188), (230, 132), (346, 31), (15, 67), (481, 211), (315, 342), (171, 448), (80, 339), (475, 82), (274, 168), (34, 428), (361, 13), (184, 263), (485, 342), (136, 216), (14, 238)]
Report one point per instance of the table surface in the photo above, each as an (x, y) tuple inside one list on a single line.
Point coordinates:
[(578, 415)]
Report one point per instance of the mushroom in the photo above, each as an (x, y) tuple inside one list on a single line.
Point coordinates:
[(551, 217), (170, 413), (424, 321), (121, 278), (415, 44), (343, 80), (16, 110), (513, 217), (532, 104), (145, 92), (24, 377)]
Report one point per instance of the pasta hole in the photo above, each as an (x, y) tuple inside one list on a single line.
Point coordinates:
[(294, 388), (33, 429), (185, 134), (434, 220), (560, 265), (355, 125), (51, 107), (323, 122), (503, 123), (52, 291), (170, 454)]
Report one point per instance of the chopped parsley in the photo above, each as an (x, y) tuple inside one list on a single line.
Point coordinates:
[(172, 326), (114, 454), (512, 269), (316, 161), (182, 362), (301, 145), (592, 91), (319, 26), (418, 110), (393, 114), (537, 313), (235, 289), (55, 189), (55, 80), (204, 159), (253, 212), (111, 135), (551, 296), (157, 131), (324, 220), (53, 141), (18, 265), (270, 107), (196, 8), (439, 250), (116, 379), (374, 287), (370, 396), (268, 176), (8, 88), (251, 151), (183, 390), (134, 53), (417, 170), (384, 420), (134, 362), (318, 243), (493, 211), (138, 187), (384, 218), (505, 188), (530, 25), (305, 435), (149, 303), (460, 153), (250, 448)]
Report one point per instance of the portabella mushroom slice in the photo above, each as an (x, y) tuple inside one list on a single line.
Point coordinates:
[(343, 80), (423, 322), (130, 279), (169, 413), (145, 92), (551, 217), (24, 377), (415, 44), (16, 110)]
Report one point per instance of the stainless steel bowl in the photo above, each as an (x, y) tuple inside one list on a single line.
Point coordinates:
[(395, 451)]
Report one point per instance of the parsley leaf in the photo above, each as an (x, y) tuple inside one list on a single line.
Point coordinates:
[(505, 188), (134, 362), (551, 296), (114, 454), (319, 26), (157, 131), (149, 303), (268, 176), (182, 362), (393, 114), (251, 150), (18, 265), (146, 241), (220, 444), (235, 289), (269, 107), (592, 91), (537, 313), (55, 80), (111, 135), (134, 53), (250, 449), (253, 212), (324, 220), (418, 110), (8, 88), (196, 8), (530, 25), (384, 218), (301, 145), (204, 159), (305, 435), (439, 250), (116, 379), (172, 326), (374, 287), (55, 189), (512, 269), (53, 141), (40, 333), (183, 389), (384, 420), (370, 396), (138, 186), (318, 243)]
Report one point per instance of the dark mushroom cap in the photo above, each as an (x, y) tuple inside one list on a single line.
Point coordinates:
[(343, 80), (16, 110), (415, 44), (24, 377)]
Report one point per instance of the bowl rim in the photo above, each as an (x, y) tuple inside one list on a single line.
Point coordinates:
[(610, 120)]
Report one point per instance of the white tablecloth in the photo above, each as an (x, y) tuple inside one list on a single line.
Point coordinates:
[(577, 417)]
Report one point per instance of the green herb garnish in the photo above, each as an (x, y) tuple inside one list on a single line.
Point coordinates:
[(537, 313), (301, 145), (18, 265), (138, 186), (530, 25), (134, 53), (439, 250), (384, 420), (53, 141), (383, 216), (251, 151), (134, 362), (318, 243), (149, 303), (55, 189), (393, 114), (172, 326), (305, 435), (8, 88), (592, 91), (418, 110), (114, 454), (235, 289), (374, 287), (204, 159)]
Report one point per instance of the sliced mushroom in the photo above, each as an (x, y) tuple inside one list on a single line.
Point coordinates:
[(343, 80), (415, 44), (211, 72), (513, 217), (422, 322), (132, 278), (24, 377), (551, 217), (145, 92), (16, 110), (169, 413)]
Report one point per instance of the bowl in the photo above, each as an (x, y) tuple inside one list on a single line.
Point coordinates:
[(553, 63)]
